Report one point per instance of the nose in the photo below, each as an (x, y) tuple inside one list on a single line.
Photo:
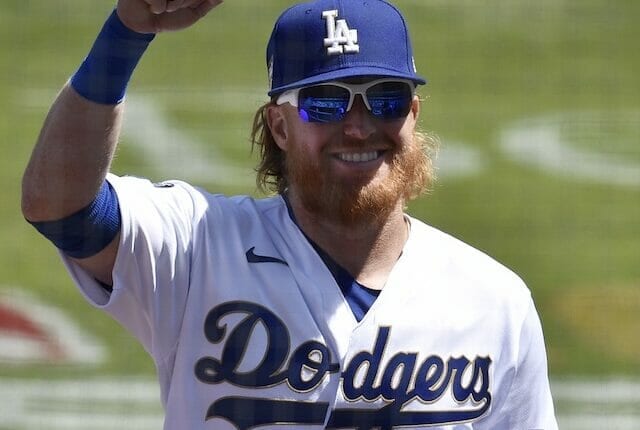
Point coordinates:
[(358, 123)]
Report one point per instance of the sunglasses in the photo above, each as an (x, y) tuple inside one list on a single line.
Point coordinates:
[(386, 99)]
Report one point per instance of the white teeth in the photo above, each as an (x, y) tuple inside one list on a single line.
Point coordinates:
[(358, 157)]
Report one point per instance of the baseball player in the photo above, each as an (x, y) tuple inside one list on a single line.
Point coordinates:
[(322, 306)]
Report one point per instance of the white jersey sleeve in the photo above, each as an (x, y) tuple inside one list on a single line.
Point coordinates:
[(528, 403), (150, 276)]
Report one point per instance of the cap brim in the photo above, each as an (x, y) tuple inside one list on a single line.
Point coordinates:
[(348, 72)]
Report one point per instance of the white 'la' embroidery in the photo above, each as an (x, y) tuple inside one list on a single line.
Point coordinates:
[(340, 38)]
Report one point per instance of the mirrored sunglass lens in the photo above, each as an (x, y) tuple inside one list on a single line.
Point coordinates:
[(323, 103), (390, 100)]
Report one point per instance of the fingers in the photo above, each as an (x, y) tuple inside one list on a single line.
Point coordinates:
[(173, 5), (200, 7), (205, 7), (157, 6), (189, 12)]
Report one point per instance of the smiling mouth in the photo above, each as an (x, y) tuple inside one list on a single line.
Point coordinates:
[(359, 157)]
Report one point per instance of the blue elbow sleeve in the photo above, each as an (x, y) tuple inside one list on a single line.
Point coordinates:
[(88, 231)]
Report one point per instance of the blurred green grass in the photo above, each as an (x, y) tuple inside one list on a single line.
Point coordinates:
[(489, 64)]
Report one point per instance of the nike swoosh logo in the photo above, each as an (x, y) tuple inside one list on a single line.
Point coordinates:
[(252, 257)]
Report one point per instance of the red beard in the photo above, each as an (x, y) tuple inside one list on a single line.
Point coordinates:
[(362, 199)]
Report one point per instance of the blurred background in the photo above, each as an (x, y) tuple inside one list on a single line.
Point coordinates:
[(537, 105)]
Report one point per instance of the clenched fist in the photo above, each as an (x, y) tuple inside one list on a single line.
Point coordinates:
[(155, 16)]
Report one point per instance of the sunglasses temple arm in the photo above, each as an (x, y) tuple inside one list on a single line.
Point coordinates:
[(290, 97)]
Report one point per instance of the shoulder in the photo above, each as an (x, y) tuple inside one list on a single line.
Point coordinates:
[(242, 208), (134, 189), (185, 197), (467, 264)]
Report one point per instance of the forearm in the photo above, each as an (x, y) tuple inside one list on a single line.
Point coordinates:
[(71, 157), (76, 144)]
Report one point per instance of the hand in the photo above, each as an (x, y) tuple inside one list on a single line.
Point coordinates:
[(155, 16)]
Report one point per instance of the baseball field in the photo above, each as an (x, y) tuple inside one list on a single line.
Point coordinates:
[(537, 107)]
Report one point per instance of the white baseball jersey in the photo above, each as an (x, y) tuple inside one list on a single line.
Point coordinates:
[(248, 328)]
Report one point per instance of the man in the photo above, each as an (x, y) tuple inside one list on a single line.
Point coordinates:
[(325, 306)]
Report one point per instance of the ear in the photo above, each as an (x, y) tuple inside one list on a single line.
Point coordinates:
[(277, 122), (415, 107)]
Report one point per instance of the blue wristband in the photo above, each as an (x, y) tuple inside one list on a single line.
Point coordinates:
[(105, 73), (88, 231)]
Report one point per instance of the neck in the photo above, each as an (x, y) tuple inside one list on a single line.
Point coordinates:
[(367, 249)]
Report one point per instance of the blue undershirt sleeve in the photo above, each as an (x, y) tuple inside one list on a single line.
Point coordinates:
[(88, 231)]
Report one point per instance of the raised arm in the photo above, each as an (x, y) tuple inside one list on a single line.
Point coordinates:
[(64, 182)]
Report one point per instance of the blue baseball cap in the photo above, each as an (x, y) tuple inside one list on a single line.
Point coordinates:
[(326, 40)]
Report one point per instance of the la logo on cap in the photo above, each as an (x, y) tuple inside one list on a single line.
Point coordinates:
[(340, 38)]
